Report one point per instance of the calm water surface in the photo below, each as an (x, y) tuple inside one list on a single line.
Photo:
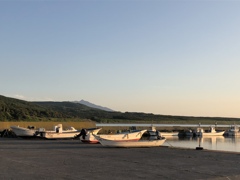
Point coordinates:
[(221, 143)]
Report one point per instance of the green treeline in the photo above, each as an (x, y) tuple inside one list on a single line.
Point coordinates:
[(18, 110), (13, 109)]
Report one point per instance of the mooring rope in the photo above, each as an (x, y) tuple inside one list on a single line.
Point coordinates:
[(169, 143)]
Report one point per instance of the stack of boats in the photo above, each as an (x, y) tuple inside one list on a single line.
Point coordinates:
[(124, 139)]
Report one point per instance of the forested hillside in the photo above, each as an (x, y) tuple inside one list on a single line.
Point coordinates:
[(75, 110), (14, 109), (18, 110)]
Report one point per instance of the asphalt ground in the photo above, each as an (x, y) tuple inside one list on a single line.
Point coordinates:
[(71, 159)]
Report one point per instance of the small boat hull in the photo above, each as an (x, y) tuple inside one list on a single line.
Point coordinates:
[(211, 132), (59, 133), (132, 144), (23, 132), (55, 135), (132, 136), (163, 134), (89, 138)]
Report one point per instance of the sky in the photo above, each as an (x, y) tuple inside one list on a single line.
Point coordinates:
[(153, 56)]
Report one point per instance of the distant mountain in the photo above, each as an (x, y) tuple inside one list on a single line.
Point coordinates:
[(86, 103)]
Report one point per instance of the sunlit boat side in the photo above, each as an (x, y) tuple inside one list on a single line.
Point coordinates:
[(131, 144), (23, 132), (129, 136), (210, 132), (58, 133)]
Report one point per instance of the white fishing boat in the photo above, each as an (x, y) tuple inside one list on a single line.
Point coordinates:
[(233, 131), (23, 132), (129, 144), (211, 132), (58, 133), (126, 136), (164, 134), (153, 132), (86, 135)]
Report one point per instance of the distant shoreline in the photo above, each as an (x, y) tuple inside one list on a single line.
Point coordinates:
[(112, 126)]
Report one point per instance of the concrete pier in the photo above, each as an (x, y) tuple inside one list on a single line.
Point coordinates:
[(71, 159)]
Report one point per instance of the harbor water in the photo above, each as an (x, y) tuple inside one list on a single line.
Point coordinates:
[(220, 143)]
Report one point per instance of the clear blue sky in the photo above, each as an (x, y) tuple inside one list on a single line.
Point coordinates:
[(161, 57)]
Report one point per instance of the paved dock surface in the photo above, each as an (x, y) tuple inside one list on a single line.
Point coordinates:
[(71, 159)]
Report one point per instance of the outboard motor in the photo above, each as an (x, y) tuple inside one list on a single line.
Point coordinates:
[(83, 133)]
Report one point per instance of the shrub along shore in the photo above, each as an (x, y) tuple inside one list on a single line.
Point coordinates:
[(48, 125)]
